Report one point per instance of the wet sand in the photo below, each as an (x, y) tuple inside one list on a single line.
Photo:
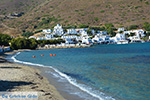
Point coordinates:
[(21, 78)]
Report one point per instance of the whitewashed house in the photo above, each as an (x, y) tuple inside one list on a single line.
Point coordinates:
[(84, 33), (58, 30), (93, 31), (121, 29), (69, 37), (47, 31), (101, 38), (101, 33), (68, 41), (77, 38), (138, 33), (97, 39), (86, 40), (80, 30), (49, 36), (71, 31), (119, 39), (40, 38)]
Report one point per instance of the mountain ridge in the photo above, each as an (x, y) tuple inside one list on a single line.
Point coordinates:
[(48, 13)]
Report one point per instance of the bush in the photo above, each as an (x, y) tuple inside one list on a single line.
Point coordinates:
[(89, 32), (43, 42), (102, 11), (132, 34), (96, 19), (22, 43), (133, 27), (27, 34), (146, 26), (4, 39), (83, 26)]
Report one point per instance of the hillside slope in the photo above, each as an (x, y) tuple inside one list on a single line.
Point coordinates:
[(74, 12)]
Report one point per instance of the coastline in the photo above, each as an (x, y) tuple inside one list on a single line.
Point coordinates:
[(21, 78)]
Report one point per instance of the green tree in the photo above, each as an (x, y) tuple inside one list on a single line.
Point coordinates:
[(132, 34), (133, 27), (4, 39), (27, 34), (89, 32), (22, 43), (110, 29), (146, 26), (83, 26), (33, 43)]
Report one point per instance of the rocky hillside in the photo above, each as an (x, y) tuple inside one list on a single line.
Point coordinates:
[(39, 14)]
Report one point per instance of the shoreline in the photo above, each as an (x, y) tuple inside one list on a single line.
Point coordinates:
[(22, 78), (71, 93)]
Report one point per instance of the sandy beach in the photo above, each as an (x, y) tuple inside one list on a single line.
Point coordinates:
[(21, 78)]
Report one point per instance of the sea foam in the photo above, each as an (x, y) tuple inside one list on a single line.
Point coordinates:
[(85, 88)]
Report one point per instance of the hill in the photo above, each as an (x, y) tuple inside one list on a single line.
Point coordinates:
[(40, 14)]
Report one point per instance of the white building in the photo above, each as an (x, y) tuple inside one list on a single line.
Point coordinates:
[(86, 40), (138, 33), (84, 33), (41, 38), (118, 37), (80, 30), (71, 31), (49, 36), (93, 32), (58, 30), (101, 38), (47, 31), (121, 29), (69, 41), (101, 32), (77, 38), (69, 37)]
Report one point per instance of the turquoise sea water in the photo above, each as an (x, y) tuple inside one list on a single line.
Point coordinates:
[(120, 71)]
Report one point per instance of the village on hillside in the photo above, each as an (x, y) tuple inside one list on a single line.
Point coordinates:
[(79, 36)]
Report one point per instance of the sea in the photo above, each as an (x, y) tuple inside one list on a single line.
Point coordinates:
[(104, 72)]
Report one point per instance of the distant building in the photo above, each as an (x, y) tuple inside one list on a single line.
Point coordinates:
[(84, 33), (58, 30), (71, 31), (49, 36), (77, 38), (101, 38), (80, 30), (138, 32), (86, 40), (41, 38), (118, 37), (47, 31), (121, 29), (69, 41), (101, 33), (69, 37)]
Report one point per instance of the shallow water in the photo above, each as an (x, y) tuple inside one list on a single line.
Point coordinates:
[(106, 71)]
